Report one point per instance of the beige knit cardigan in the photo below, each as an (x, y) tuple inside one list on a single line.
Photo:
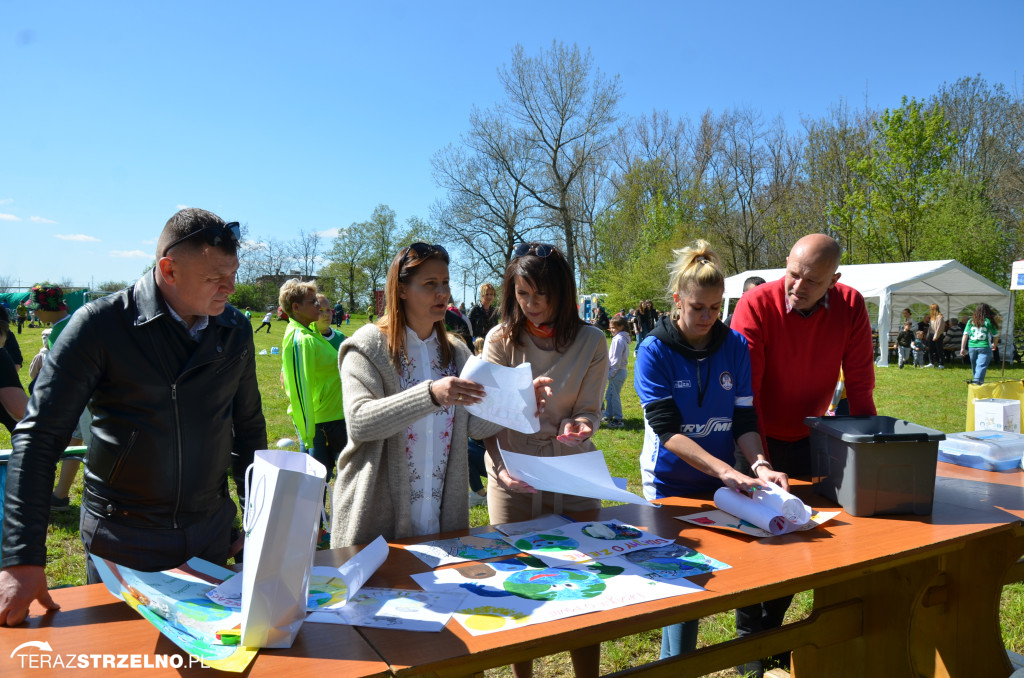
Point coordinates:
[(371, 491)]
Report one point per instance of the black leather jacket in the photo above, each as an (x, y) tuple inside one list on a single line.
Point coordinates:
[(163, 437)]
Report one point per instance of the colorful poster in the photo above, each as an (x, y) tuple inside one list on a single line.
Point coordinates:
[(394, 609), (544, 522), (175, 602), (721, 520), (674, 561), (517, 592), (578, 543), (461, 549)]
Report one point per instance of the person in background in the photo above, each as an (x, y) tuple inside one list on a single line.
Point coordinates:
[(13, 398), (540, 325), (618, 357), (48, 297), (936, 328), (169, 371), (403, 473), (748, 284), (905, 343), (951, 340), (37, 361), (484, 315), (979, 341), (22, 315), (691, 375), (920, 349), (339, 313), (325, 320), (248, 314), (311, 380), (477, 454), (458, 324), (266, 322), (801, 329)]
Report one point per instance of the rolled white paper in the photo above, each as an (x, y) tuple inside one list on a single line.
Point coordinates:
[(783, 502), (755, 513)]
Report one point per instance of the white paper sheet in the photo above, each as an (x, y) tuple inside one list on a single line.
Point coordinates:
[(754, 512), (328, 586), (510, 399), (394, 609), (583, 475)]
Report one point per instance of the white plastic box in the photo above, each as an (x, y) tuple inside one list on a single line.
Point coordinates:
[(987, 450), (997, 414)]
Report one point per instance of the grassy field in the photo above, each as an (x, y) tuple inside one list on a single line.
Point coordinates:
[(928, 397)]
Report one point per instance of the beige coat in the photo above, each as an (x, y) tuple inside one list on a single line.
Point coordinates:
[(371, 491)]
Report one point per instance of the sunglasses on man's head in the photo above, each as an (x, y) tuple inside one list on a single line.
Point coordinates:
[(524, 248), (422, 250), (215, 236)]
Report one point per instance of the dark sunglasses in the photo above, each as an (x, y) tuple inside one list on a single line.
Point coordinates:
[(524, 248), (215, 236), (422, 250)]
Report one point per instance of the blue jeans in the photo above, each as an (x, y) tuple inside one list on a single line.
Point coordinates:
[(613, 403), (679, 638), (981, 358)]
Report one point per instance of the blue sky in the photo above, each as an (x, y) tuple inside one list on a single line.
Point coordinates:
[(309, 114)]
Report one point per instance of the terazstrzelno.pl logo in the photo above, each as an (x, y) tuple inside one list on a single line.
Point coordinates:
[(35, 654)]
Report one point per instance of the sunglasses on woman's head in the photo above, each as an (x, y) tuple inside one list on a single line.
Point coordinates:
[(215, 236), (422, 250), (524, 248)]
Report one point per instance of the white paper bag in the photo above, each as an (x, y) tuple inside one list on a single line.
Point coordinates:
[(284, 502)]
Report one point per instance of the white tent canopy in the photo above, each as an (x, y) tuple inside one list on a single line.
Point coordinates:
[(892, 287)]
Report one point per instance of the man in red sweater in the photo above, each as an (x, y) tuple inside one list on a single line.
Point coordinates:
[(801, 329)]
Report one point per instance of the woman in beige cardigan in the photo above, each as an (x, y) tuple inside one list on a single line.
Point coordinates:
[(540, 326), (404, 472)]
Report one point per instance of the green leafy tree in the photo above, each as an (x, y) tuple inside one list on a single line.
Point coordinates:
[(903, 181)]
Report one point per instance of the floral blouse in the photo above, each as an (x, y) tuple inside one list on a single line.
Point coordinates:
[(427, 441)]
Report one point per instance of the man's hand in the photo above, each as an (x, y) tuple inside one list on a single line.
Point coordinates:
[(19, 586)]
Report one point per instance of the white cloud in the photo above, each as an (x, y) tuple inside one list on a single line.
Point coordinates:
[(148, 242), (9, 217), (131, 254), (329, 233), (41, 220), (76, 237), (181, 207), (6, 201)]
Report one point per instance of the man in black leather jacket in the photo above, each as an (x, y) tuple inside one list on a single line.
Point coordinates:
[(167, 368)]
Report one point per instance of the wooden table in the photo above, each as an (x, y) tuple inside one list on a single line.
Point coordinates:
[(91, 621), (893, 596)]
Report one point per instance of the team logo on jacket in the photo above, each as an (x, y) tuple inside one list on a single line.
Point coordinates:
[(681, 383), (725, 379), (712, 425)]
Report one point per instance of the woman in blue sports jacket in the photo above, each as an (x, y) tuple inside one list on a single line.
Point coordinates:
[(692, 375)]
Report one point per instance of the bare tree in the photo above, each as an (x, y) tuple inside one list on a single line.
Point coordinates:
[(7, 282), (566, 109), (486, 211), (306, 250)]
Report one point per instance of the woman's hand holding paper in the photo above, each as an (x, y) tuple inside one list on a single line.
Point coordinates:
[(514, 485)]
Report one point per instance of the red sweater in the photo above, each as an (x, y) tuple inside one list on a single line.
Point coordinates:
[(795, 361)]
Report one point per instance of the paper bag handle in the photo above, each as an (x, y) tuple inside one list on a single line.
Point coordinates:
[(251, 515)]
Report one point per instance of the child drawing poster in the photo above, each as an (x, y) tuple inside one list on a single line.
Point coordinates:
[(674, 561), (394, 609), (462, 549), (175, 602), (720, 520), (517, 592), (578, 543)]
